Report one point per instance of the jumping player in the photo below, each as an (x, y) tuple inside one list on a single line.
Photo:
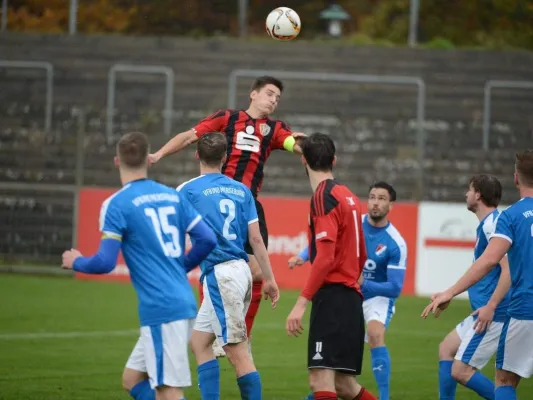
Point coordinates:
[(251, 136), (148, 222), (513, 236), (228, 208), (338, 254), (382, 278)]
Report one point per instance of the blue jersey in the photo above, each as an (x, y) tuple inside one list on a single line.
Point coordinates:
[(480, 293), (515, 224), (386, 250), (151, 221), (228, 207)]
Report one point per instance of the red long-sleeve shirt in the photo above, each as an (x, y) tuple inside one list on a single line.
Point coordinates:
[(336, 243)]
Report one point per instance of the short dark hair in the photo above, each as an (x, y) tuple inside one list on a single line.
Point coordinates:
[(386, 186), (319, 152), (524, 167), (262, 81), (133, 149), (488, 187), (211, 148)]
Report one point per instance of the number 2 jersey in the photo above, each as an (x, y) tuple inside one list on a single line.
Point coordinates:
[(250, 142), (228, 207), (151, 220)]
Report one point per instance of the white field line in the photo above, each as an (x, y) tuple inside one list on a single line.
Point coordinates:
[(131, 332)]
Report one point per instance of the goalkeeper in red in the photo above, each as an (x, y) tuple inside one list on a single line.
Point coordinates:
[(251, 136)]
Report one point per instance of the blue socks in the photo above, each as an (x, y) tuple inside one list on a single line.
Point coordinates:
[(142, 391), (209, 380), (447, 385), (505, 393), (381, 370), (250, 386), (482, 385)]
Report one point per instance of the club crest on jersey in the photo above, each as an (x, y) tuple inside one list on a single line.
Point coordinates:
[(380, 249), (264, 129)]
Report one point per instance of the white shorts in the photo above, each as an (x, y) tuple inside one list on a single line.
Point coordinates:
[(227, 296), (476, 349), (515, 350), (162, 352), (379, 309)]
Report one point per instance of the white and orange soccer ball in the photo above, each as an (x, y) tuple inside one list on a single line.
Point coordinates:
[(283, 24)]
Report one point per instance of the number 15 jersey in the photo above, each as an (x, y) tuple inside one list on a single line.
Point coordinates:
[(151, 220), (228, 207), (250, 142)]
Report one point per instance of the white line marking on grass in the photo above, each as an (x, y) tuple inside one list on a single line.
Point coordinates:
[(65, 335), (130, 332)]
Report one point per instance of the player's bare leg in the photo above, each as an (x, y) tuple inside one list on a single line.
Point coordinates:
[(208, 368), (169, 393), (380, 357), (506, 384), (462, 372), (322, 383), (447, 350), (349, 389), (239, 356), (201, 346), (136, 384)]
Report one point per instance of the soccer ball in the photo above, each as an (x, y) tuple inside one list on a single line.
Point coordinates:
[(283, 24)]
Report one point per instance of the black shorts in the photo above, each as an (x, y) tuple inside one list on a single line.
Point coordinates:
[(337, 330), (262, 228)]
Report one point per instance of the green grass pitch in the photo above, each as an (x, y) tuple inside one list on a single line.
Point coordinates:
[(66, 339)]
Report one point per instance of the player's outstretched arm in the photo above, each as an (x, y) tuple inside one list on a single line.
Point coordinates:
[(485, 314), (299, 259), (177, 143), (261, 254), (494, 252), (103, 262)]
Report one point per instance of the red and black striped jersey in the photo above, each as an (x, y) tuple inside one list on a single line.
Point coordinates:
[(337, 248), (250, 142)]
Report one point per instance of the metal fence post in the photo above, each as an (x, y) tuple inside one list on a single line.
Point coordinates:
[(73, 17), (331, 77), (80, 161), (243, 18), (141, 69), (4, 16), (49, 69), (487, 101), (414, 9)]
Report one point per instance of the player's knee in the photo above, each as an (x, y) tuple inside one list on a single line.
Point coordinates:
[(376, 334), (130, 378), (239, 356), (445, 351), (462, 372), (321, 380), (506, 378)]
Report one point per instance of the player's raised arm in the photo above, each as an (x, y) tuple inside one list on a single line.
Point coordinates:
[(213, 123), (177, 143)]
